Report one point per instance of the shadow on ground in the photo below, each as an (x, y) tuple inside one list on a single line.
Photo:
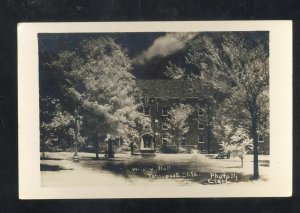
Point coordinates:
[(154, 170), (47, 158), (233, 167), (265, 163), (52, 168), (142, 167), (185, 169)]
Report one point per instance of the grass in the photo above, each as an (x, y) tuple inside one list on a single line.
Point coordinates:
[(58, 168)]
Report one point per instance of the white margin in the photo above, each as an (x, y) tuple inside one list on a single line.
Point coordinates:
[(280, 184)]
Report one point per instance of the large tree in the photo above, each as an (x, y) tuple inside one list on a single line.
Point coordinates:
[(95, 80), (56, 125), (236, 66)]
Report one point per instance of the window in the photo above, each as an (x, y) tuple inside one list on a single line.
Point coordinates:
[(147, 141), (165, 139), (260, 139), (200, 112), (164, 111), (164, 126), (200, 125), (183, 141), (200, 139), (146, 100), (147, 111)]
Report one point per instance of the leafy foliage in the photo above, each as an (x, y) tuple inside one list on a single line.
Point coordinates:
[(177, 121), (96, 79), (56, 123), (239, 70), (236, 142), (235, 65), (174, 71)]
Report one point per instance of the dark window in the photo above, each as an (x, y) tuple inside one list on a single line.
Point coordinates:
[(200, 112), (260, 138), (147, 141), (200, 139), (200, 125), (164, 111), (146, 100), (183, 100), (147, 111)]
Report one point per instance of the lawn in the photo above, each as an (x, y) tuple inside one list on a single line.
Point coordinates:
[(59, 170)]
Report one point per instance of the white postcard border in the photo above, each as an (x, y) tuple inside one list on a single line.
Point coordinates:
[(280, 183)]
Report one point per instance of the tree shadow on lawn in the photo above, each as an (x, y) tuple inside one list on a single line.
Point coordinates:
[(265, 163), (49, 158), (154, 169), (99, 159), (135, 168), (52, 168), (249, 178), (234, 167)]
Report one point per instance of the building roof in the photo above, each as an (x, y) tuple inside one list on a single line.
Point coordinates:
[(172, 88)]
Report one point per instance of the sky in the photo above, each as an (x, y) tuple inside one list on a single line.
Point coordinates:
[(149, 52)]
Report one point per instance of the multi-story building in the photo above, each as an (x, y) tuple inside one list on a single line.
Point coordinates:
[(158, 98)]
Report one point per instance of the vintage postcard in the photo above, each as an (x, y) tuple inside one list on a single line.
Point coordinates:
[(155, 109)]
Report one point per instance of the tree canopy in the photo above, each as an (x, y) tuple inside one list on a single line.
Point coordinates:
[(236, 66), (177, 122), (236, 142), (95, 79)]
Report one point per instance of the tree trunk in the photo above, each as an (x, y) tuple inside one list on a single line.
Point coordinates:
[(176, 142), (255, 141), (131, 148), (97, 148), (242, 162)]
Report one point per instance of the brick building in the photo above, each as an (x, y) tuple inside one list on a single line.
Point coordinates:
[(160, 95)]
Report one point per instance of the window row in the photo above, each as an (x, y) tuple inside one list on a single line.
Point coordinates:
[(164, 126), (164, 111), (166, 140), (147, 111)]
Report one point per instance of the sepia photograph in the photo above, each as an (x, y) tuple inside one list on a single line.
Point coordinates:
[(157, 109)]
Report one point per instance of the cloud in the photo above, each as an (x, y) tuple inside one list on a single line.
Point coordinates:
[(164, 46)]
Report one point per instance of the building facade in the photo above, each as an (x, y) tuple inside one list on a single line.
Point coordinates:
[(158, 98)]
